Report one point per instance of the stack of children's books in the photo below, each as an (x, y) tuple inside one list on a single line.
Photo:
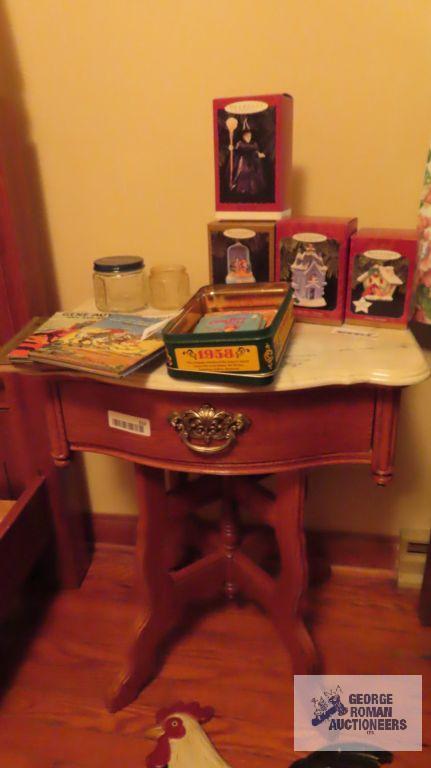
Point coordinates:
[(104, 344)]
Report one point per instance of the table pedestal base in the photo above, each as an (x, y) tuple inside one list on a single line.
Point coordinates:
[(229, 561)]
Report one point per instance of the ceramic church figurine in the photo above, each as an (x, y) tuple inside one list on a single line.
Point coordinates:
[(312, 254), (309, 272), (253, 156), (241, 253), (381, 271)]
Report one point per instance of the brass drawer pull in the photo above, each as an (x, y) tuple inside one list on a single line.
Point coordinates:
[(207, 430)]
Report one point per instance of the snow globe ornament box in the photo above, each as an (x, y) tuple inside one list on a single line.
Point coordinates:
[(381, 272), (241, 253), (312, 254), (253, 156)]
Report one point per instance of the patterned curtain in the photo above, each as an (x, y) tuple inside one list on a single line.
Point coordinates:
[(422, 312)]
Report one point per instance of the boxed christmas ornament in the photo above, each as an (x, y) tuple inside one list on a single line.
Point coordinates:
[(312, 254), (381, 270), (253, 156), (241, 252)]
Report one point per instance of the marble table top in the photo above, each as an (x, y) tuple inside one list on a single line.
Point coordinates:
[(321, 355), (316, 356)]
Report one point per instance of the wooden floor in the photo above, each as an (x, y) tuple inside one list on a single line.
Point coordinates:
[(52, 712)]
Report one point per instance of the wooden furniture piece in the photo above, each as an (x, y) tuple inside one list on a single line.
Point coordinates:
[(335, 401), (425, 596), (31, 514)]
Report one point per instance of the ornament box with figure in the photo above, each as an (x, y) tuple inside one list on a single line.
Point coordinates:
[(253, 156), (241, 252), (312, 254), (381, 271)]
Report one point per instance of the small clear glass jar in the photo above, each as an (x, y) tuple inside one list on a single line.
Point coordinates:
[(169, 286), (119, 284)]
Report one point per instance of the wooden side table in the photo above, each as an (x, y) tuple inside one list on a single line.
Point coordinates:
[(335, 401)]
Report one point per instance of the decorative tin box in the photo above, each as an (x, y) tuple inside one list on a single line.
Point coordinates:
[(253, 156), (241, 253), (312, 254), (381, 270), (252, 356)]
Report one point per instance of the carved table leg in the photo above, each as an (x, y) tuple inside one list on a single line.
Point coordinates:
[(281, 597), (230, 537), (157, 609), (72, 540), (163, 591), (291, 584)]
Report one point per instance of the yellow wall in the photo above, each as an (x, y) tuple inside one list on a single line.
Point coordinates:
[(118, 95)]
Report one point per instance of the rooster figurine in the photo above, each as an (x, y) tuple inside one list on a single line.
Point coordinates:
[(182, 743), (181, 740)]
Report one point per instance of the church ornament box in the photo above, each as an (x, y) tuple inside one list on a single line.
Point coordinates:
[(253, 156), (312, 255), (252, 356), (382, 263), (241, 252)]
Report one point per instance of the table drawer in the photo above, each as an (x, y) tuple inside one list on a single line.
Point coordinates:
[(333, 423)]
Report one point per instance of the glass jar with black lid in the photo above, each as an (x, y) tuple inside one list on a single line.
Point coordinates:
[(119, 283)]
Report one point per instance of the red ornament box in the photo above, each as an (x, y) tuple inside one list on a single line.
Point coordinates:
[(253, 156), (312, 253), (381, 271)]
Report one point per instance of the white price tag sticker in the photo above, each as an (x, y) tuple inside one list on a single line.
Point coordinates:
[(126, 423), (349, 331)]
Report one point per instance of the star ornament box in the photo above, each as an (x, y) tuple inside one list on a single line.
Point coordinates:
[(311, 254), (253, 156), (381, 271)]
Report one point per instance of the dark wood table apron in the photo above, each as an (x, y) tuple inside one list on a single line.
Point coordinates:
[(229, 439)]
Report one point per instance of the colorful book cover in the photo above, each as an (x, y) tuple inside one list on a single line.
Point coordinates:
[(226, 322), (57, 326), (114, 346)]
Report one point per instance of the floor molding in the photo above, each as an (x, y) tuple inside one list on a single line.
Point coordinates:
[(114, 529), (355, 550)]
